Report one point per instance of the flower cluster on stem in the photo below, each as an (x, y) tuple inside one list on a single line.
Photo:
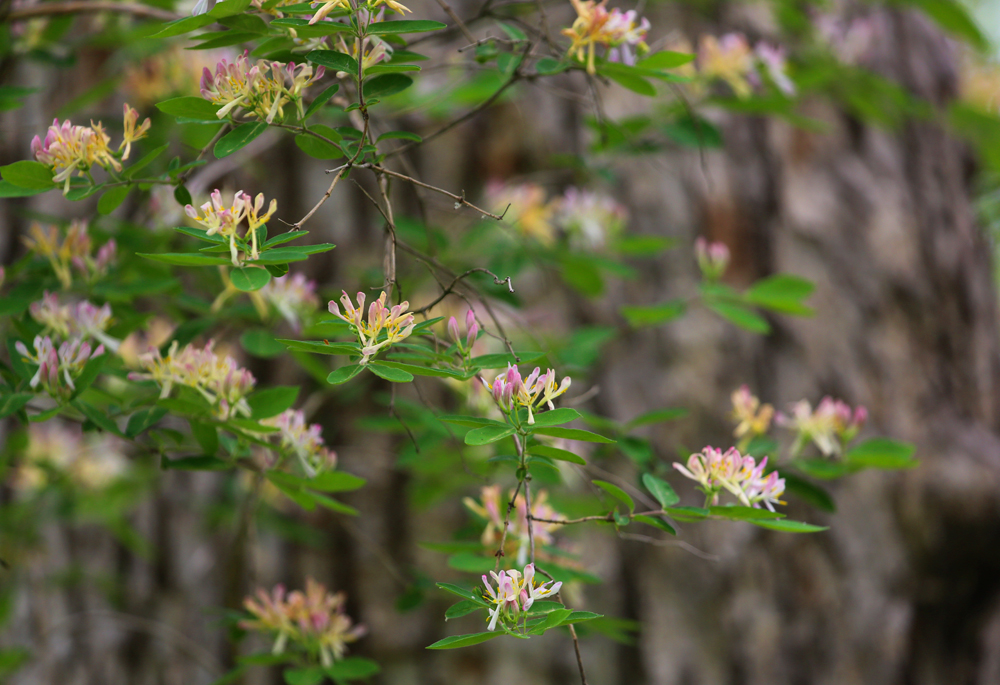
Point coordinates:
[(740, 475), (80, 320), (91, 461), (262, 89), (219, 218), (75, 250), (514, 595), (293, 296), (313, 620), (395, 323), (532, 393), (57, 367), (830, 427), (712, 257), (619, 32), (464, 343), (304, 440), (490, 507)]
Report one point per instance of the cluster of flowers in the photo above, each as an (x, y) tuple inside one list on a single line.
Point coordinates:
[(732, 60), (293, 296), (538, 389), (75, 250), (395, 323), (515, 593), (716, 470), (313, 620), (262, 89), (752, 418), (80, 320), (222, 383), (365, 12), (618, 32), (304, 440), (90, 460), (57, 368), (492, 508), (68, 148), (218, 218), (465, 342), (831, 426), (712, 257), (586, 218)]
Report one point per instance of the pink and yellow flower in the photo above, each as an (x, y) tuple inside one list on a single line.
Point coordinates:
[(396, 323)]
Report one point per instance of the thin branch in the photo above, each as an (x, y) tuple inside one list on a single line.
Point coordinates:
[(82, 6), (506, 524), (455, 18), (459, 199), (579, 659), (447, 291), (608, 518)]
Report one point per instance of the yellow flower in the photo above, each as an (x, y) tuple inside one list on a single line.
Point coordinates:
[(131, 134)]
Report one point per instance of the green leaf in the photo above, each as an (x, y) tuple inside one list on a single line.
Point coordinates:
[(953, 17), (487, 434), (882, 453), (627, 78), (616, 492), (238, 138), (656, 523), (471, 563), (661, 490), (386, 85), (206, 435), (580, 616), (424, 370), (14, 402), (470, 421), (8, 189), (803, 489), (400, 135), (99, 417), (460, 591), (352, 668), (261, 343), (182, 26), (195, 464), (688, 513), (222, 39), (111, 200), (333, 505), (331, 59), (824, 468), (500, 361), (390, 373), (572, 434), (786, 526), (456, 641), (462, 608), (228, 8), (316, 148), (143, 419), (390, 69), (335, 481), (272, 401), (304, 30), (28, 174), (247, 23), (782, 293), (249, 278), (665, 59), (310, 675), (384, 28), (186, 259), (321, 100), (189, 107), (739, 315), (344, 374), (657, 416), (317, 347), (548, 66), (556, 453), (740, 513), (283, 238), (555, 417), (653, 315), (551, 620)]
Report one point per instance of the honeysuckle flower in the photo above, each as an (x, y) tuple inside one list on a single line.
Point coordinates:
[(715, 470), (752, 418), (509, 390), (728, 59), (515, 594), (91, 461), (314, 620), (262, 89), (68, 148), (589, 219), (713, 258), (219, 218), (373, 50), (326, 7), (395, 323), (257, 219), (830, 427), (83, 319), (490, 506), (131, 133), (773, 59), (852, 41), (57, 368), (222, 383), (305, 441), (466, 342), (73, 250), (525, 208), (596, 26), (293, 295)]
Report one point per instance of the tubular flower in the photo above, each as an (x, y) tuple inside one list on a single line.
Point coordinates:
[(615, 30), (489, 507), (830, 427), (471, 331), (713, 258), (728, 59), (222, 383), (515, 594), (510, 391), (218, 218), (740, 475), (68, 148), (373, 51), (262, 89), (327, 7), (293, 295), (83, 320), (58, 368), (752, 418), (304, 440), (313, 620), (395, 322), (131, 134), (589, 219), (73, 250)]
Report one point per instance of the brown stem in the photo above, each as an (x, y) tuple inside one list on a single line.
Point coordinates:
[(447, 291), (459, 199)]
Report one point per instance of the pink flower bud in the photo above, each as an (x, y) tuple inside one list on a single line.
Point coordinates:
[(453, 329)]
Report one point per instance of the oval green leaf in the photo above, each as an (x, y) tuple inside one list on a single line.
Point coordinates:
[(238, 138), (249, 278)]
